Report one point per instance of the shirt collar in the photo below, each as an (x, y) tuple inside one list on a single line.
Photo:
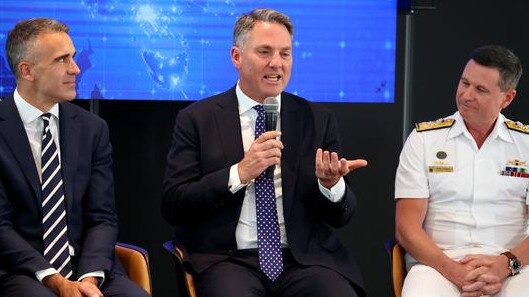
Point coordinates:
[(499, 130), (29, 113), (459, 126), (246, 103)]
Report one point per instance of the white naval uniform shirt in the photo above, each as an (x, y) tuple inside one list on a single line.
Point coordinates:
[(474, 208)]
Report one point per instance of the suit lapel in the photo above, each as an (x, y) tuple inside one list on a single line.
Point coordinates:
[(13, 131), (69, 138), (292, 122), (229, 126)]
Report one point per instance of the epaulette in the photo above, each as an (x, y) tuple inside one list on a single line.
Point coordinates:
[(433, 125), (517, 126)]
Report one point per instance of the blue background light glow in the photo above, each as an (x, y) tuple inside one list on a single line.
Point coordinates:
[(344, 50)]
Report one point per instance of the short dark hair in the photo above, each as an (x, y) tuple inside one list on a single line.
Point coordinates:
[(246, 22), (21, 39), (503, 59)]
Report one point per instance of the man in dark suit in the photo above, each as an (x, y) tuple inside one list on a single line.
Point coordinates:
[(217, 178), (58, 224)]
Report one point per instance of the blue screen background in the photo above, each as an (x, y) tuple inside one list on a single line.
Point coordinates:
[(343, 51)]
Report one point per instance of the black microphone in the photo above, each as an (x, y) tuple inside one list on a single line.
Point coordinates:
[(271, 109)]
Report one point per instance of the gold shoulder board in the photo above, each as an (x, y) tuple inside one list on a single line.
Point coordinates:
[(433, 125), (517, 126)]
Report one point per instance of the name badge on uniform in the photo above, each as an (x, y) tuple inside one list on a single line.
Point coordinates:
[(516, 168), (441, 163)]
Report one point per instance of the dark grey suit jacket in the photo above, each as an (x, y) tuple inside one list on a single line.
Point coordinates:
[(207, 141)]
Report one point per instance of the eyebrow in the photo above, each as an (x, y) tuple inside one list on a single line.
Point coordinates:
[(271, 47), (65, 56)]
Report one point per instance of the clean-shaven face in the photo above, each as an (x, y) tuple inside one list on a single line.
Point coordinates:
[(264, 61), (54, 70), (479, 98)]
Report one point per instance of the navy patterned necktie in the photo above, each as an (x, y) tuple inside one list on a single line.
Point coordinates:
[(268, 237), (56, 246)]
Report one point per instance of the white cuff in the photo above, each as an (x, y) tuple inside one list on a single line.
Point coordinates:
[(41, 274), (336, 193), (97, 274), (234, 183)]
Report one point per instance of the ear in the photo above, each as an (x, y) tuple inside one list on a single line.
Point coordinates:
[(235, 54), (25, 70), (508, 98)]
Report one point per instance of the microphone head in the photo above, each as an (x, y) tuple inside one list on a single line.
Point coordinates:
[(270, 104)]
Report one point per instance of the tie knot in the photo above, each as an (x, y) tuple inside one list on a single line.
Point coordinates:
[(46, 118), (259, 108)]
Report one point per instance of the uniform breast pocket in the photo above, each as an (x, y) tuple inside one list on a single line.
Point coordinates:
[(440, 183), (511, 186)]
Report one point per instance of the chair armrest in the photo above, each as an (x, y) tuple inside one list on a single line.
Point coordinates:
[(135, 260), (178, 254)]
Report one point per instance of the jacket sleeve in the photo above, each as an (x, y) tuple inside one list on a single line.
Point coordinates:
[(196, 177), (100, 228), (16, 254)]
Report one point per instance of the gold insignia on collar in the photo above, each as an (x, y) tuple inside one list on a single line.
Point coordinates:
[(517, 126), (433, 125)]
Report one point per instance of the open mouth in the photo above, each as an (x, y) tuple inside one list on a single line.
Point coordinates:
[(273, 77)]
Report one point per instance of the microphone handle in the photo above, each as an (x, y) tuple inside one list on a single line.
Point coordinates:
[(270, 121), (270, 125), (269, 172)]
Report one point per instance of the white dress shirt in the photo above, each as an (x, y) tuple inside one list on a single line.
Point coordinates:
[(246, 232)]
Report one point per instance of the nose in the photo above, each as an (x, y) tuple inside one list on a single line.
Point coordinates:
[(466, 93), (73, 69), (275, 60)]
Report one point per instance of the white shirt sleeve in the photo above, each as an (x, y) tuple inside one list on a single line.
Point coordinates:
[(234, 182), (41, 274), (411, 180), (97, 274), (334, 194)]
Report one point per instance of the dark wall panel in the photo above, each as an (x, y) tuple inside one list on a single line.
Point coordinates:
[(443, 39), (372, 132), (141, 135)]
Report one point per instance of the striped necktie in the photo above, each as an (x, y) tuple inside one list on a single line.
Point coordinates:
[(268, 236), (56, 246)]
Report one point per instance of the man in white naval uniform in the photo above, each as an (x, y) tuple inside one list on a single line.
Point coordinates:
[(462, 190)]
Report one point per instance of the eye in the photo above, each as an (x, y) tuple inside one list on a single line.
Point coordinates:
[(62, 59), (482, 90)]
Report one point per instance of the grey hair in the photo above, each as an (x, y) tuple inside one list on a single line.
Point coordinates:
[(246, 22), (20, 43)]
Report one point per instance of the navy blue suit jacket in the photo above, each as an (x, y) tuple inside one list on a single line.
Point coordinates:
[(88, 184), (207, 141)]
